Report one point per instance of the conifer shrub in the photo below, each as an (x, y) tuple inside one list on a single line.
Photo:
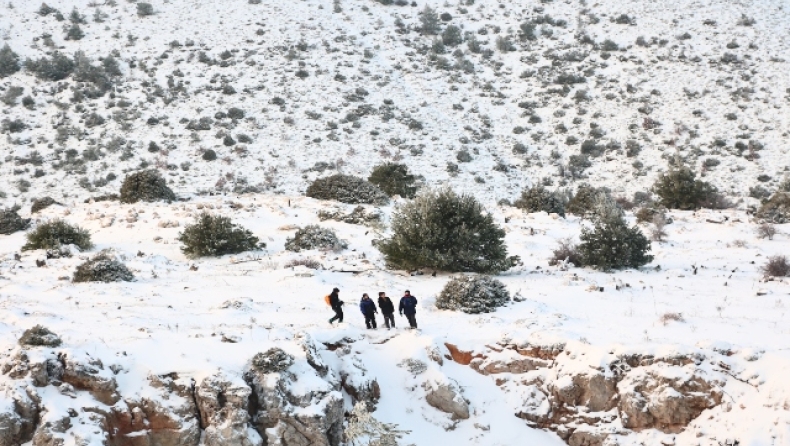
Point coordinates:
[(539, 199), (39, 204), (611, 243), (315, 237), (56, 68), (473, 295), (583, 201), (55, 234), (394, 179), (347, 189), (678, 189), (11, 222), (39, 336), (776, 209), (74, 32), (103, 267), (215, 235), (446, 231), (9, 61), (145, 185)]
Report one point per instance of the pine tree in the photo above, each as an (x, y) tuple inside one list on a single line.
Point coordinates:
[(429, 20), (678, 189), (611, 244), (448, 232), (9, 61)]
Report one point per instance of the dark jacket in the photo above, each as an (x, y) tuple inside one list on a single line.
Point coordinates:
[(386, 305), (408, 305), (334, 300), (367, 306)]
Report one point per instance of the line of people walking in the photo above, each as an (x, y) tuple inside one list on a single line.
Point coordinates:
[(406, 307)]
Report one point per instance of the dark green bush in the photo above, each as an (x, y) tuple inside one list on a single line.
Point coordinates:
[(448, 232), (74, 33), (610, 243), (583, 201), (776, 209), (315, 237), (144, 9), (103, 267), (394, 179), (57, 233), (39, 336), (346, 189), (145, 185), (452, 36), (539, 199), (678, 189), (214, 235), (56, 68), (39, 204), (11, 222), (9, 61), (473, 295), (209, 155)]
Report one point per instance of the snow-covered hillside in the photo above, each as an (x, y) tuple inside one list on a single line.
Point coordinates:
[(348, 85), (241, 104)]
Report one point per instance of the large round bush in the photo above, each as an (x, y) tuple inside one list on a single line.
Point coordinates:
[(145, 185), (214, 235), (55, 234), (446, 231)]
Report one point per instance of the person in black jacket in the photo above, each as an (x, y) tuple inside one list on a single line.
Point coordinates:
[(337, 306), (408, 306), (387, 310), (368, 309)]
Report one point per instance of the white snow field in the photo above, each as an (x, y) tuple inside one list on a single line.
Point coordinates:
[(692, 349)]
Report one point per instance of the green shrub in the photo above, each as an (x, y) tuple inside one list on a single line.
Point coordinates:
[(145, 9), (39, 336), (539, 199), (214, 235), (473, 295), (145, 185), (394, 179), (39, 204), (776, 209), (209, 155), (9, 61), (103, 267), (678, 189), (583, 201), (11, 222), (346, 189), (448, 232), (315, 237), (611, 244), (57, 233), (452, 36), (54, 69), (74, 33), (429, 21)]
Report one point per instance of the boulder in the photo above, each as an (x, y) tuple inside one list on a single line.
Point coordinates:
[(93, 377), (223, 402), (447, 398)]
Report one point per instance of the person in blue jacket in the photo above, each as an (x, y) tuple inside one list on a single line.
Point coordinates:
[(368, 309), (408, 306)]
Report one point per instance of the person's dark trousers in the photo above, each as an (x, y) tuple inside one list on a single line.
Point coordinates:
[(370, 320), (389, 320), (412, 320), (338, 315)]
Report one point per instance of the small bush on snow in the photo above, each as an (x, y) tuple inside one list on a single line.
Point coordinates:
[(103, 267), (55, 234), (777, 266), (315, 237), (583, 201), (473, 295), (9, 61), (346, 189), (145, 9), (274, 360), (39, 204), (540, 199), (394, 179), (776, 209), (11, 222), (678, 189), (39, 336), (145, 185), (214, 235), (610, 243)]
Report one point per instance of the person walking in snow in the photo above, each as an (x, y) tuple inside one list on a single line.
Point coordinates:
[(368, 309), (337, 306), (387, 310), (408, 306)]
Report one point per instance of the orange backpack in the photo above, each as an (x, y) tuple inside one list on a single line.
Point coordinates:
[(327, 300)]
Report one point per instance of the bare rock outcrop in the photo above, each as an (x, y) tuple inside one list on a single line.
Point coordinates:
[(93, 377), (447, 398), (223, 402)]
